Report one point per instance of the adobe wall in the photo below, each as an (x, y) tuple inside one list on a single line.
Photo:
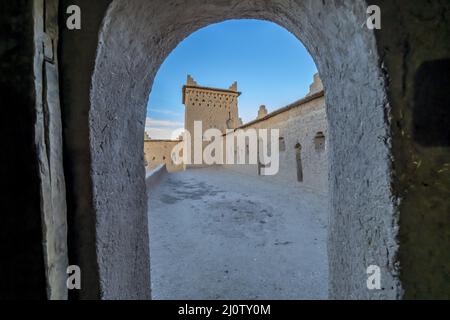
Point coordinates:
[(78, 50), (298, 124), (159, 152), (416, 56), (215, 108)]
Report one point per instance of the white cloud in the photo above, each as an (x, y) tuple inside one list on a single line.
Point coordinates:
[(149, 122), (166, 112), (163, 129)]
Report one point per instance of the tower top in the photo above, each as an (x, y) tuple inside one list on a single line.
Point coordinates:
[(316, 85), (192, 84), (262, 112)]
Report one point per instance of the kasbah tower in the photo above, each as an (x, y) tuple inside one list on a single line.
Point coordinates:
[(215, 108)]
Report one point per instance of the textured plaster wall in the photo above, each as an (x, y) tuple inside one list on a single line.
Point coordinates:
[(411, 52), (299, 124), (38, 217), (416, 55), (77, 60), (137, 36)]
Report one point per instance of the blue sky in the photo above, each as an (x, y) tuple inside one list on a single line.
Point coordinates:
[(270, 65)]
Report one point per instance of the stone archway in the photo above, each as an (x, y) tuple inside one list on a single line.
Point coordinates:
[(135, 39)]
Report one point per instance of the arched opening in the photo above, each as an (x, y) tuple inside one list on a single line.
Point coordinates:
[(298, 162), (354, 65), (240, 235), (319, 142), (135, 40)]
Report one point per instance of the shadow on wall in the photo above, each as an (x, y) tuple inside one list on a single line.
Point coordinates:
[(425, 223), (432, 104)]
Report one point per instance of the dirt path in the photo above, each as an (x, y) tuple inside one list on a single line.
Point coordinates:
[(216, 234)]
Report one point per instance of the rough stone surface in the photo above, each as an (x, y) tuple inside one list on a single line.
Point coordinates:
[(137, 36), (416, 55), (48, 139)]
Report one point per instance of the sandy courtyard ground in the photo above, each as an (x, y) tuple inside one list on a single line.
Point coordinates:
[(216, 234)]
